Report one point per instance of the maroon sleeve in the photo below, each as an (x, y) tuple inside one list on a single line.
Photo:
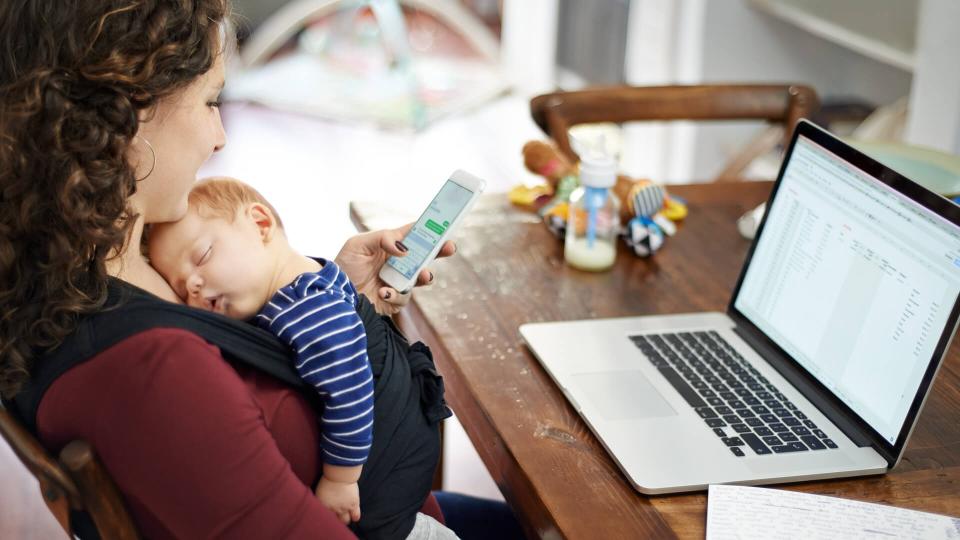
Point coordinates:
[(186, 441)]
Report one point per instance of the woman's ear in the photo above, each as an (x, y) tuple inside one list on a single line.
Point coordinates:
[(264, 219)]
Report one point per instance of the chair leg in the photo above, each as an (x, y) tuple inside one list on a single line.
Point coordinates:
[(57, 503), (100, 495)]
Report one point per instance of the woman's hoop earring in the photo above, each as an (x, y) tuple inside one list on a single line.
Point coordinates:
[(152, 152)]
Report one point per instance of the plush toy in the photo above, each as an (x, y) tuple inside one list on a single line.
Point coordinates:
[(544, 159), (644, 234)]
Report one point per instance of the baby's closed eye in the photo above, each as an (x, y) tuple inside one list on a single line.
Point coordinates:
[(205, 256)]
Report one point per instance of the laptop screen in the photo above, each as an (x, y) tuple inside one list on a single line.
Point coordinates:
[(855, 281)]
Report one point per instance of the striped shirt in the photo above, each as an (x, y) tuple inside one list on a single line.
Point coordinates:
[(316, 315)]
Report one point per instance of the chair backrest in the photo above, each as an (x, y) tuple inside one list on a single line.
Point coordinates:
[(77, 482), (784, 104)]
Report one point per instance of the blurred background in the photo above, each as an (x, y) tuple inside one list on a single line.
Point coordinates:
[(379, 100), (329, 102)]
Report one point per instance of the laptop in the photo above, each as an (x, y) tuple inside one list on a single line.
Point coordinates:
[(835, 330)]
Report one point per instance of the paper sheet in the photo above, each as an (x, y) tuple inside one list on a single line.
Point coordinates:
[(740, 512)]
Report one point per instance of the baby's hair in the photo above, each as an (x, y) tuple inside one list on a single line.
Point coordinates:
[(222, 197)]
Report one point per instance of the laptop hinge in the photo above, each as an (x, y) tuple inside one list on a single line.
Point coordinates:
[(849, 426)]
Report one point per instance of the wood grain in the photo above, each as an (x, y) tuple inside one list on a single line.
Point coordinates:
[(57, 488), (509, 270), (101, 497)]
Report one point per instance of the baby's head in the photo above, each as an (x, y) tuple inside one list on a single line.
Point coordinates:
[(224, 255)]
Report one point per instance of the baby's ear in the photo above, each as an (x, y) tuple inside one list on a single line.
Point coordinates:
[(264, 219)]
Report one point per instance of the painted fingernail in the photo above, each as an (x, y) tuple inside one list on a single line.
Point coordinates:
[(430, 277), (400, 246), (386, 295)]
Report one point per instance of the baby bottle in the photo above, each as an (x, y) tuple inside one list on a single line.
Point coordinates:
[(593, 218)]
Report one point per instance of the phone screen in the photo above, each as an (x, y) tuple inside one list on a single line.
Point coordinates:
[(429, 229)]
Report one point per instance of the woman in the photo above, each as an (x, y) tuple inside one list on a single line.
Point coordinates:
[(108, 110)]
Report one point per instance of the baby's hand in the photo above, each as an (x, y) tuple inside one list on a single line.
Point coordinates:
[(341, 497)]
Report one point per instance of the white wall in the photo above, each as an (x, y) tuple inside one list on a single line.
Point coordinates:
[(649, 62), (728, 41), (743, 44), (935, 100), (529, 45)]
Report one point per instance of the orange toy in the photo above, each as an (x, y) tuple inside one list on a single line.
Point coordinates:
[(544, 159)]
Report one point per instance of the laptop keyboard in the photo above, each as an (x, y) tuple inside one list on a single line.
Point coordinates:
[(735, 401)]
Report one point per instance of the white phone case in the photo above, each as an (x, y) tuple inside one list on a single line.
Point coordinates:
[(427, 236)]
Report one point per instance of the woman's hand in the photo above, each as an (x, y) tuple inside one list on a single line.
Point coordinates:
[(362, 256)]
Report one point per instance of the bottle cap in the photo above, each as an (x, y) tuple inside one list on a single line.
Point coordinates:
[(598, 170)]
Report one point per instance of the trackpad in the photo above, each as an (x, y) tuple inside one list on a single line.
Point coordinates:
[(622, 395)]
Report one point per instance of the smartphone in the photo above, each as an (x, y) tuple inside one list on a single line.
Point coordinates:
[(434, 227)]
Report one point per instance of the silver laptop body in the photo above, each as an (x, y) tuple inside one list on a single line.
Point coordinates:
[(842, 314)]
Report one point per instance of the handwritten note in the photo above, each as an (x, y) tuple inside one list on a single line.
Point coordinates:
[(740, 512)]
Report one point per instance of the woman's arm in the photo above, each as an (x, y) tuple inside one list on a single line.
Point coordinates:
[(186, 442), (362, 256)]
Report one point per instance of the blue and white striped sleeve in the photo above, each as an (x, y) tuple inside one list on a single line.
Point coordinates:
[(330, 343)]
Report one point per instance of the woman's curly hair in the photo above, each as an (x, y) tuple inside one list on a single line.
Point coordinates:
[(74, 76)]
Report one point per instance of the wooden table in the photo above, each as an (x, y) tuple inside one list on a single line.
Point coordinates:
[(509, 270)]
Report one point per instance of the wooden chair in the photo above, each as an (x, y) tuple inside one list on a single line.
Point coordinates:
[(78, 481), (785, 104)]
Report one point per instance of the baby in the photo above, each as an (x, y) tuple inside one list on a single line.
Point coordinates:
[(230, 255)]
